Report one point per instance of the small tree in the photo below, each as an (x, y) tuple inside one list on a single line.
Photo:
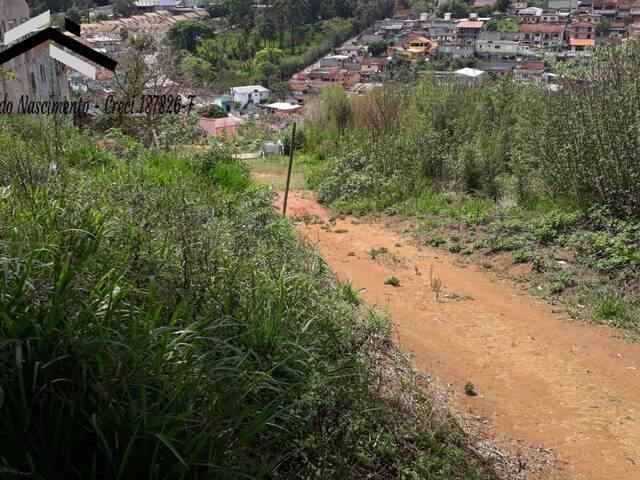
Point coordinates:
[(213, 111), (503, 5), (123, 8), (375, 49), (216, 10), (457, 8), (421, 6), (603, 28), (267, 72), (185, 35), (240, 12), (198, 71)]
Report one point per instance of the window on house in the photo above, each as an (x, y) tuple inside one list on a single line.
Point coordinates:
[(43, 73), (33, 81)]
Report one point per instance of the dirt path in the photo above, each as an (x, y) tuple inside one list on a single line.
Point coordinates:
[(542, 380)]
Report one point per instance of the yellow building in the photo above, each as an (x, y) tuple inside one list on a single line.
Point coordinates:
[(419, 47)]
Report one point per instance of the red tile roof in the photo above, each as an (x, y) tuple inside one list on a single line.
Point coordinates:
[(483, 3), (531, 66), (470, 24), (582, 42)]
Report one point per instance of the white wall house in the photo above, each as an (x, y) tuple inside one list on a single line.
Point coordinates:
[(249, 94), (32, 73)]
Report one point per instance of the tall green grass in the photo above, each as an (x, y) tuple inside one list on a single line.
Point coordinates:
[(577, 146), (158, 319)]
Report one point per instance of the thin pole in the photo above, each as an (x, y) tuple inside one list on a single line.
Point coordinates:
[(286, 188)]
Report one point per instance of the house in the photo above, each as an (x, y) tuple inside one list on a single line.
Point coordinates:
[(151, 5), (372, 66), (557, 17), (568, 6), (497, 46), (283, 109), (224, 102), (467, 31), (440, 31), (334, 60), (419, 47), (518, 5), (618, 29), (105, 44), (220, 126), (33, 76), (542, 35), (531, 73), (352, 50), (634, 28), (581, 44), (583, 31), (469, 77), (154, 23), (530, 14), (342, 75), (367, 38), (388, 31), (607, 9), (249, 94), (497, 68), (582, 36)]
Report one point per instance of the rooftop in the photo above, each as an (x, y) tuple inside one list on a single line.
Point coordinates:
[(582, 42), (470, 24), (483, 3), (542, 28), (469, 72), (533, 65), (420, 39), (283, 106), (249, 89)]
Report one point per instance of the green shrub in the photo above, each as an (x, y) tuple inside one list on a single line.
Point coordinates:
[(393, 281), (436, 240), (547, 228)]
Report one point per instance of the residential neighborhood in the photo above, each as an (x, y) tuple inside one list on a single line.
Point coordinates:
[(524, 42)]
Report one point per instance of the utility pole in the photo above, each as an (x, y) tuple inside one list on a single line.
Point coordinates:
[(286, 188)]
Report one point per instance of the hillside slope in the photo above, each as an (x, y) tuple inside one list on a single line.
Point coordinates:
[(158, 319)]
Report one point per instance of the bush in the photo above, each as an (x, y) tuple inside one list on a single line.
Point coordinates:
[(501, 139), (547, 228), (159, 319)]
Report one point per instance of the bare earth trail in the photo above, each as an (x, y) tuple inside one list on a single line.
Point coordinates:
[(541, 379)]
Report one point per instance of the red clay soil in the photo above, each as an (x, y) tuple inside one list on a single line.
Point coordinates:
[(541, 379)]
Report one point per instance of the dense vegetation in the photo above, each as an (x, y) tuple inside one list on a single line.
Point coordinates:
[(236, 56), (158, 319), (501, 139), (268, 44), (563, 168)]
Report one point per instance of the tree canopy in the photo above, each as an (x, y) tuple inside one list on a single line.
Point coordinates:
[(185, 35)]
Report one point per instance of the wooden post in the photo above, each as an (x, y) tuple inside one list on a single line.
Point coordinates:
[(286, 188)]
